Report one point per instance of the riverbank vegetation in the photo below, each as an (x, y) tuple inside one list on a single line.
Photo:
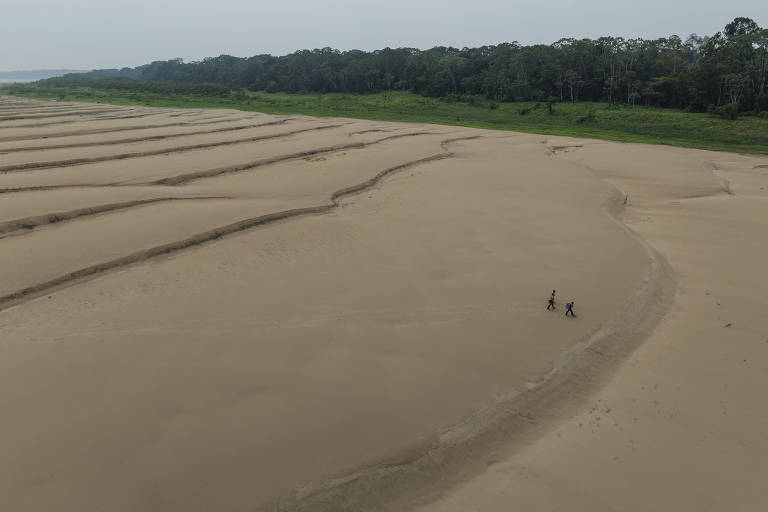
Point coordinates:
[(701, 73), (747, 134), (704, 91)]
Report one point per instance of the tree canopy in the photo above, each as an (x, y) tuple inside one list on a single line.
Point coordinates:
[(726, 70)]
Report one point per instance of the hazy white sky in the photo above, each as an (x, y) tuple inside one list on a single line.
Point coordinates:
[(85, 34)]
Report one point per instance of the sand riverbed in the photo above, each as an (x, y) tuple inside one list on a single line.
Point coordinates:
[(223, 310)]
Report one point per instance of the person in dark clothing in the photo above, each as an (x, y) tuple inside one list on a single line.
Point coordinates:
[(551, 301), (569, 309)]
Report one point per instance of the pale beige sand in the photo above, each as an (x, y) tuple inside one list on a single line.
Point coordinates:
[(133, 119), (175, 129), (151, 146), (400, 328), (284, 141), (683, 423)]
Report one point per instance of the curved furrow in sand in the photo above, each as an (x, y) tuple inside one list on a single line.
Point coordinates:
[(446, 142), (83, 112), (183, 179), (190, 114), (36, 108), (152, 138), (201, 122), (42, 188), (207, 236), (29, 223), (373, 130), (81, 120), (40, 110), (553, 150), (180, 149), (94, 118), (459, 451), (703, 449)]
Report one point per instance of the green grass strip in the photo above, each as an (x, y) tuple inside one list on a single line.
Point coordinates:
[(591, 120)]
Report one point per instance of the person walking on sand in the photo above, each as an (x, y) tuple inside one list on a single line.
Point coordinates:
[(569, 309), (551, 301)]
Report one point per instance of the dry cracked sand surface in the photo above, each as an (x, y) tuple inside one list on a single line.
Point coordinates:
[(221, 310)]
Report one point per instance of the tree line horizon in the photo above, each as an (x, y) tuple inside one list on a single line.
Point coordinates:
[(726, 73)]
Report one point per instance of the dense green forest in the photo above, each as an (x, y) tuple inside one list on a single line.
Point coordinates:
[(726, 72)]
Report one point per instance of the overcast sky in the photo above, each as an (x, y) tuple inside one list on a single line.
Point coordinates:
[(86, 34)]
